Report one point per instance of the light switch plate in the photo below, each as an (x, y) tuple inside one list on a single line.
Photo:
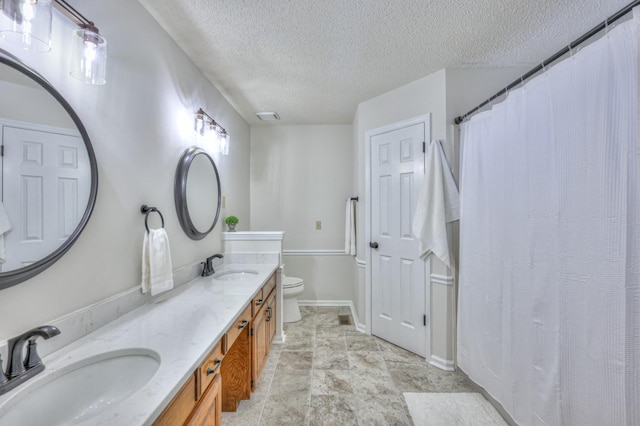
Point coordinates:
[(318, 225)]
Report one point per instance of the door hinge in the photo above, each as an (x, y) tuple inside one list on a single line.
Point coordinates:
[(250, 334), (424, 320), (251, 383), (1, 150), (424, 147)]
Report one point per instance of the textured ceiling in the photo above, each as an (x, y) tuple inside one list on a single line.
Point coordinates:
[(313, 61)]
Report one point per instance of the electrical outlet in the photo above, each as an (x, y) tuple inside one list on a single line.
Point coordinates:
[(318, 225)]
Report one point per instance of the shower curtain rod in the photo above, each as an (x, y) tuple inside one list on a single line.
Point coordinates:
[(554, 57)]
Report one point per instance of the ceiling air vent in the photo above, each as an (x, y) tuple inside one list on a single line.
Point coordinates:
[(268, 116)]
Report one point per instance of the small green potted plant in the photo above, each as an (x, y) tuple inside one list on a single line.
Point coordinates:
[(231, 222)]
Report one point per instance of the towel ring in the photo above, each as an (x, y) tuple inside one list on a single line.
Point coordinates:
[(146, 210)]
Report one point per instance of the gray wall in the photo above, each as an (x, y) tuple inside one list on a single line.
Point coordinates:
[(139, 124)]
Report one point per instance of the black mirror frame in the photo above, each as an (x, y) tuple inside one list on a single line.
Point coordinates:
[(11, 278), (180, 193)]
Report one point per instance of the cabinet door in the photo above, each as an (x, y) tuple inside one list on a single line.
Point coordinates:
[(271, 318), (209, 411), (259, 344)]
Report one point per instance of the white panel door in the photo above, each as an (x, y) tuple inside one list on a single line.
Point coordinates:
[(44, 183), (398, 300)]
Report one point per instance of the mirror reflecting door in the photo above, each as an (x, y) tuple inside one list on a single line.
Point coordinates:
[(48, 173)]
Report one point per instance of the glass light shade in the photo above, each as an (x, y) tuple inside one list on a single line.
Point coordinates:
[(223, 146), (27, 23), (212, 135), (89, 56), (199, 126)]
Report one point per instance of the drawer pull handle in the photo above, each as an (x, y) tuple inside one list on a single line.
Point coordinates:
[(243, 325), (211, 371), (270, 312), (259, 302)]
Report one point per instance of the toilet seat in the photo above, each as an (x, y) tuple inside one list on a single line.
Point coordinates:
[(292, 287), (292, 282)]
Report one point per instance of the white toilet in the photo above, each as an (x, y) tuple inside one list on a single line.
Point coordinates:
[(292, 287)]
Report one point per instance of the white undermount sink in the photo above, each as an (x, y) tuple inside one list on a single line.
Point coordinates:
[(235, 275), (81, 390)]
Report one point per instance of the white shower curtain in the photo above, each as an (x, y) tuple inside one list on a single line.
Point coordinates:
[(549, 300)]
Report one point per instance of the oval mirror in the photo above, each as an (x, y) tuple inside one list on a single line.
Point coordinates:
[(49, 173), (197, 193)]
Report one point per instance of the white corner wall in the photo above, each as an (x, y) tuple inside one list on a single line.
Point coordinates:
[(444, 94), (139, 124), (300, 175)]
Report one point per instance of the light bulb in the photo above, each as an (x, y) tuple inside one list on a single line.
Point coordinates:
[(28, 9)]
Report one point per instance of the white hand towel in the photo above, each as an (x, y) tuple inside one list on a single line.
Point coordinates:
[(350, 228), (438, 204), (156, 262), (5, 226)]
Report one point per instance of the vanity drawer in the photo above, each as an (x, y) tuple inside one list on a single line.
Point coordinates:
[(209, 369), (256, 303), (269, 285), (243, 321)]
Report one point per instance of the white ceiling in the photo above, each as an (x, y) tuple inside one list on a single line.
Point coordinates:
[(313, 61)]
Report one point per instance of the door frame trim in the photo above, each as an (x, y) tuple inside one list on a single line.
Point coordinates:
[(368, 135)]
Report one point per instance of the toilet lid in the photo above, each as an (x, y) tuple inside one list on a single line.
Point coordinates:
[(292, 282)]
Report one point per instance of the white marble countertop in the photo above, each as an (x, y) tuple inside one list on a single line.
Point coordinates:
[(181, 326)]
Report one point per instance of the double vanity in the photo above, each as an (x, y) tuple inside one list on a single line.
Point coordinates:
[(184, 357), (179, 357)]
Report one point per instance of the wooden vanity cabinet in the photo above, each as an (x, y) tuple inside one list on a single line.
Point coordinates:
[(180, 408), (264, 330), (231, 370), (199, 402), (209, 411), (271, 306)]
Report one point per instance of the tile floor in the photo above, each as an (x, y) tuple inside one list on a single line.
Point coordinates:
[(331, 374)]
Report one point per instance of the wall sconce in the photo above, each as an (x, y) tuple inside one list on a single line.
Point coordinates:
[(207, 128), (29, 25)]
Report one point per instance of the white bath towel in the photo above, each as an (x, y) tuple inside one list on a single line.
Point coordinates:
[(5, 226), (350, 228), (156, 262), (438, 204)]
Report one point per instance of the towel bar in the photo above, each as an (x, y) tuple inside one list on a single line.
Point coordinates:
[(145, 210)]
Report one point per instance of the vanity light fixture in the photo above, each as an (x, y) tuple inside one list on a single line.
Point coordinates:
[(208, 128), (29, 25)]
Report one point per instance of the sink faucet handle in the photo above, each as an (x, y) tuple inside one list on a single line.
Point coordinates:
[(32, 359), (3, 378)]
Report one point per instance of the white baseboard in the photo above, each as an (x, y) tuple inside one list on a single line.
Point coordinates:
[(324, 303), (359, 326), (443, 364), (314, 253)]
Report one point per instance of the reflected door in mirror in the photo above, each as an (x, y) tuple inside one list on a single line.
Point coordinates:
[(46, 184)]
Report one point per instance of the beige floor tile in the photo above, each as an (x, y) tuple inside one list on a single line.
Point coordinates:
[(332, 410), (331, 382), (328, 374)]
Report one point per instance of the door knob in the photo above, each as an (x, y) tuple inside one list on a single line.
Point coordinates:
[(373, 245)]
